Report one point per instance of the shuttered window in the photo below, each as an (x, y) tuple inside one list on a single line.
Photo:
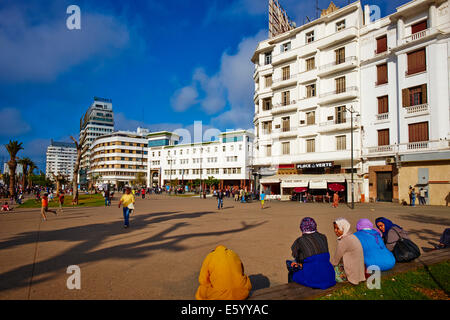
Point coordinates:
[(417, 62), (382, 75), (340, 85), (419, 27), (286, 124), (383, 105), (382, 44), (286, 73), (310, 64), (311, 118), (340, 115), (286, 148), (341, 143), (383, 137), (415, 96), (269, 150), (311, 91), (311, 145), (418, 132), (285, 98), (340, 55), (267, 104), (268, 81)]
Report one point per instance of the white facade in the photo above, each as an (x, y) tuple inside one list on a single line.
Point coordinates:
[(118, 157), (61, 157), (229, 159)]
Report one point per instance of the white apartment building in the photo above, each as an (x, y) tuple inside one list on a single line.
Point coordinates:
[(96, 122), (307, 84), (117, 158), (229, 159), (393, 73), (405, 93), (61, 158)]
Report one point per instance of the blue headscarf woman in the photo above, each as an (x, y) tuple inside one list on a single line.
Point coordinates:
[(391, 232)]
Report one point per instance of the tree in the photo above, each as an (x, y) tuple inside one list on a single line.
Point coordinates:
[(81, 150), (60, 179), (31, 168), (13, 148), (25, 162), (211, 181), (140, 180)]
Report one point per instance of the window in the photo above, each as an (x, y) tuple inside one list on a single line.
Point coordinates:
[(286, 73), (268, 81), (311, 118), (415, 96), (340, 85), (286, 124), (310, 37), (382, 75), (286, 46), (416, 62), (340, 55), (418, 27), (340, 25), (269, 150), (341, 143), (311, 145), (381, 44), (267, 127), (383, 137), (267, 104), (285, 98), (311, 90), (310, 63), (286, 148), (340, 115), (418, 132), (383, 105), (268, 58)]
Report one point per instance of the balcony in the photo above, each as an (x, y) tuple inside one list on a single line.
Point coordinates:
[(284, 82), (284, 107), (409, 147), (336, 96), (418, 110), (334, 125), (382, 116), (382, 150), (419, 35), (338, 66)]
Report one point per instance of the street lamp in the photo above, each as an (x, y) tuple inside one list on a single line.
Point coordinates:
[(352, 111)]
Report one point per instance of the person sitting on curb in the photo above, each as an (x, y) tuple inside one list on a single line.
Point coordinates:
[(222, 277), (391, 232), (312, 267), (375, 252), (5, 207), (350, 251)]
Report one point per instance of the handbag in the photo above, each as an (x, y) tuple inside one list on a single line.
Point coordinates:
[(405, 250)]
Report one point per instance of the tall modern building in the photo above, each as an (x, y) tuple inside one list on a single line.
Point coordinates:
[(61, 157), (349, 91), (117, 158), (97, 121)]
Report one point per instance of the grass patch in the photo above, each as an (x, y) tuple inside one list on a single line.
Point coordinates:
[(420, 284), (84, 200)]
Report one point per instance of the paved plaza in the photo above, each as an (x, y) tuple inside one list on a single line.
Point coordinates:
[(160, 255)]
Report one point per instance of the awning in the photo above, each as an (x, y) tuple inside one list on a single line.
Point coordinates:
[(270, 180), (336, 187), (320, 184), (294, 184), (300, 190)]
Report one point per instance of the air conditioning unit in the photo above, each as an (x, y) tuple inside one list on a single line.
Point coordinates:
[(390, 160)]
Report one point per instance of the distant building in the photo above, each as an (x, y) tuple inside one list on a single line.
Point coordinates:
[(96, 122), (118, 157), (61, 157)]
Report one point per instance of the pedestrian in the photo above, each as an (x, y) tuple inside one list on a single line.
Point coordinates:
[(128, 201), (107, 198), (5, 207), (410, 195), (61, 201), (413, 197), (262, 196), (44, 207), (335, 200), (143, 193), (220, 199), (422, 195)]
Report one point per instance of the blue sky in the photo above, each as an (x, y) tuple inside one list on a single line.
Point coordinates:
[(165, 64)]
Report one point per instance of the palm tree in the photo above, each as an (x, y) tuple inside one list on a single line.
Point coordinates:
[(81, 150), (13, 148), (25, 162), (31, 168)]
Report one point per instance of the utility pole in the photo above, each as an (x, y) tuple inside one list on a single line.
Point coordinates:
[(351, 110)]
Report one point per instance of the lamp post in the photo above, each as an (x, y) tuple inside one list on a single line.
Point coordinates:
[(351, 110)]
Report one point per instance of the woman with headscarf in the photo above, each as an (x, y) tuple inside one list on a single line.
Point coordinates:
[(391, 232), (312, 260), (350, 251), (222, 277), (375, 252)]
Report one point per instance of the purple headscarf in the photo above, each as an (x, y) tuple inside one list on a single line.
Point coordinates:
[(366, 224), (308, 225)]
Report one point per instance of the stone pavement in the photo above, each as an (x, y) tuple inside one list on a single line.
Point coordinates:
[(160, 255)]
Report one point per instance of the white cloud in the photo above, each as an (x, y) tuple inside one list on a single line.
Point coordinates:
[(184, 98), (12, 123), (41, 51)]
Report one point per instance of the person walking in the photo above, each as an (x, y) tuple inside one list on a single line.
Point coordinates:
[(413, 197), (262, 196), (44, 207), (410, 195), (220, 199), (61, 201), (422, 194), (143, 193), (128, 201), (335, 200)]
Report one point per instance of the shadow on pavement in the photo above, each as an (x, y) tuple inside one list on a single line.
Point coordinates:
[(259, 281)]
